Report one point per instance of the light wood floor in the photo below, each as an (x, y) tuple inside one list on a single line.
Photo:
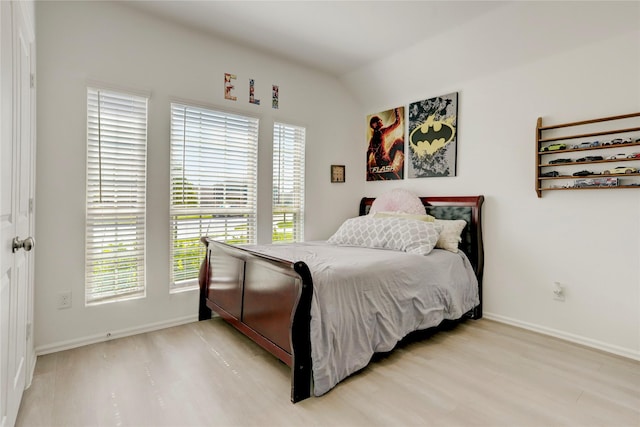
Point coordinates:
[(481, 373)]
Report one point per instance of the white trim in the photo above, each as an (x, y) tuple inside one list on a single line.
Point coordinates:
[(109, 335), (209, 106), (598, 345), (98, 84), (31, 369)]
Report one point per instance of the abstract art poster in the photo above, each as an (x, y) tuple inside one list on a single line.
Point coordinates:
[(433, 131), (385, 154)]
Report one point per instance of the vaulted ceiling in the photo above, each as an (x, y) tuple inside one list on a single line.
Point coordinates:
[(333, 36)]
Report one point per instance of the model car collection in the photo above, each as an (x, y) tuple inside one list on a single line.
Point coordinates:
[(587, 178)]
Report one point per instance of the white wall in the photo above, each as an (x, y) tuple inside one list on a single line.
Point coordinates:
[(563, 62), (508, 68), (81, 42)]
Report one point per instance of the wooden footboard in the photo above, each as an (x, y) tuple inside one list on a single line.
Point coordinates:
[(267, 299)]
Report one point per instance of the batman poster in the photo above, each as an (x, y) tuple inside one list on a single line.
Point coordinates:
[(385, 154), (433, 136)]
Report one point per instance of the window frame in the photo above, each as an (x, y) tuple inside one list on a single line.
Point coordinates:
[(289, 149), (229, 204), (115, 194)]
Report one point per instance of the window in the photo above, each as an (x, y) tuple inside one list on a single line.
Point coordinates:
[(116, 196), (213, 185), (288, 183)]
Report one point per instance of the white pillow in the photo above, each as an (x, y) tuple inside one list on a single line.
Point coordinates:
[(408, 235), (398, 200), (450, 235)]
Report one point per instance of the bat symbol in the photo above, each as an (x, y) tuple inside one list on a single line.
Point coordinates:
[(431, 136)]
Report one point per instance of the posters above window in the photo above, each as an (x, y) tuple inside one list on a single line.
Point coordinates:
[(229, 88), (385, 155), (433, 136)]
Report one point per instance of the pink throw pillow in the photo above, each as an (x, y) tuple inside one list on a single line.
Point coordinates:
[(398, 200)]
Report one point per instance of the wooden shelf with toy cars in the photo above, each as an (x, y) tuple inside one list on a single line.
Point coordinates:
[(602, 153)]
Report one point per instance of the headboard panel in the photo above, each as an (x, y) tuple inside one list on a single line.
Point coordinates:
[(468, 208)]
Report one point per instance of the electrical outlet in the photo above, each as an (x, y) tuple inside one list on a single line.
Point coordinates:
[(558, 291), (64, 299)]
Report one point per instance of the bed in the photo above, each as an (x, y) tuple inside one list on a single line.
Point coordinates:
[(267, 293)]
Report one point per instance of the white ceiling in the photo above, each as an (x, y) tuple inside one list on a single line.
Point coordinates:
[(333, 36)]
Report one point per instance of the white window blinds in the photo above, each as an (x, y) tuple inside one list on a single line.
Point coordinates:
[(288, 183), (213, 185), (116, 196)]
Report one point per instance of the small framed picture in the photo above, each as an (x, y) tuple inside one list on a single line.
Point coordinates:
[(337, 173)]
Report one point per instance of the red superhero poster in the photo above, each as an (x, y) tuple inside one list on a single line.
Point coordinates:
[(385, 155)]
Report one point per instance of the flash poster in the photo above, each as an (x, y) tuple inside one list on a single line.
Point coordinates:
[(433, 136), (385, 155)]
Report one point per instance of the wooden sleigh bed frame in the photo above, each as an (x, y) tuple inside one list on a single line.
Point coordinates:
[(269, 299)]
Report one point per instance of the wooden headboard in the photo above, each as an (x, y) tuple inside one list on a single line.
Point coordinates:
[(468, 208)]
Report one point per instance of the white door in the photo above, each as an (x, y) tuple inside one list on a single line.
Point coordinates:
[(16, 191)]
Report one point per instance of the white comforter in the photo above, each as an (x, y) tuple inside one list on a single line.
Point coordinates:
[(366, 300)]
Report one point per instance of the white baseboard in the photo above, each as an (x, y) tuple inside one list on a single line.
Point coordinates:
[(587, 342), (66, 345), (92, 339)]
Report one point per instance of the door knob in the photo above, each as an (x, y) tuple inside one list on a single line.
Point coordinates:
[(26, 244)]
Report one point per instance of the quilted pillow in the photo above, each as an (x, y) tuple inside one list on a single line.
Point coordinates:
[(450, 235), (408, 235), (398, 200)]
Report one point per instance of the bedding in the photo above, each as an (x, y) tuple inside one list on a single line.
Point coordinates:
[(366, 300)]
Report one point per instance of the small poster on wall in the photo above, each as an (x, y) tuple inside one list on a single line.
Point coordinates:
[(433, 136), (274, 96), (228, 86), (252, 91), (385, 155)]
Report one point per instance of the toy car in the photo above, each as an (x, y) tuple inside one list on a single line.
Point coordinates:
[(596, 182), (584, 173), (553, 162), (631, 156), (620, 141), (587, 144), (617, 156), (606, 182), (580, 183), (555, 147), (589, 159), (621, 169), (549, 174)]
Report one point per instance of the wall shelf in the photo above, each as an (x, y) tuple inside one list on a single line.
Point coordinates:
[(625, 128)]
